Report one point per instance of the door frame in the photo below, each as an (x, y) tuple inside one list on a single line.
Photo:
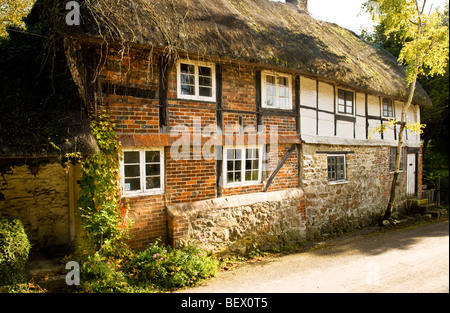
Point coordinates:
[(412, 152)]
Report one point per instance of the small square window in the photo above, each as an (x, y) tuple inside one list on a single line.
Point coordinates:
[(276, 91), (388, 108), (345, 101), (242, 165), (336, 168), (142, 171), (393, 157), (196, 80)]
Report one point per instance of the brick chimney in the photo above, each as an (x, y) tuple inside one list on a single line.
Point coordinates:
[(301, 4)]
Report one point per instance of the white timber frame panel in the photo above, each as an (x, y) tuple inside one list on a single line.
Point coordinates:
[(321, 121)]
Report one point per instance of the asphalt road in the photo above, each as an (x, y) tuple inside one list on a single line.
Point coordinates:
[(414, 260)]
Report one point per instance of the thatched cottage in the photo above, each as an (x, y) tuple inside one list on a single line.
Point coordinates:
[(243, 122)]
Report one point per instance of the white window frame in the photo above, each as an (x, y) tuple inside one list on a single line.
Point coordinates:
[(143, 190), (264, 75), (345, 105), (392, 155), (243, 182), (391, 105), (196, 65), (338, 181)]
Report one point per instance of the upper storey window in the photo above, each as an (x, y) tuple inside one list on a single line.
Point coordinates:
[(345, 101), (196, 80), (388, 108), (276, 90)]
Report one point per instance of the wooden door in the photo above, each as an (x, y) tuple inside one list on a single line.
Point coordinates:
[(411, 175)]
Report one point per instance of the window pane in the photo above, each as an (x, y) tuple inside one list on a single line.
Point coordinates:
[(237, 165), (255, 164), (248, 175), (284, 103), (349, 110), (152, 169), (341, 96), (283, 92), (153, 182), (187, 79), (270, 101), (205, 71), (205, 92), (248, 164), (152, 157), (237, 176), (230, 154), (238, 154), (131, 157), (230, 165), (187, 68), (133, 184), (187, 90), (132, 171), (349, 96), (255, 175), (282, 81), (205, 81), (270, 80), (230, 176)]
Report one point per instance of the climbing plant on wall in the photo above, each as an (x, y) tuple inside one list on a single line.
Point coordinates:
[(100, 206)]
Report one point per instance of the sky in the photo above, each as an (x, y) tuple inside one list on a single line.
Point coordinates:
[(348, 13)]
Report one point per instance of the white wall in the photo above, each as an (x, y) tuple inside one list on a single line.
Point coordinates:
[(320, 123)]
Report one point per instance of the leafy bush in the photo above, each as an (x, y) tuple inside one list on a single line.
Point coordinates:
[(14, 247), (167, 268), (99, 274)]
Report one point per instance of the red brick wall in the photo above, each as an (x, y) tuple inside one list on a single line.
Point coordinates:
[(185, 180), (149, 217)]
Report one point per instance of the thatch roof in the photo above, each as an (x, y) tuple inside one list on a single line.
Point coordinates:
[(259, 31), (40, 107)]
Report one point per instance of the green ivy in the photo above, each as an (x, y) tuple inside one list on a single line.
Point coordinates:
[(100, 207)]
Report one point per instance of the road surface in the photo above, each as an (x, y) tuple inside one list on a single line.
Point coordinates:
[(414, 260)]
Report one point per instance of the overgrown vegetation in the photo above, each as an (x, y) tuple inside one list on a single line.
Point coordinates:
[(14, 248), (436, 133), (107, 263)]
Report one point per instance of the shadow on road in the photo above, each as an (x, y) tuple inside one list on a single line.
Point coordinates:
[(377, 243)]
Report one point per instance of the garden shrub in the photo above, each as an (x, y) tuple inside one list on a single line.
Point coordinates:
[(166, 268), (102, 275), (14, 250)]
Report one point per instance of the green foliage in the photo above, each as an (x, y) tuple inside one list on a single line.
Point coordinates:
[(165, 268), (100, 274), (12, 13), (14, 247), (423, 35), (102, 212)]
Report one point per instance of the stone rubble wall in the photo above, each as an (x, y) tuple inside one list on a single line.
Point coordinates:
[(232, 225), (360, 200), (41, 201)]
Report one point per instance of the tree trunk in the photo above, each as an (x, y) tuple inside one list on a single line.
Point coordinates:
[(405, 108)]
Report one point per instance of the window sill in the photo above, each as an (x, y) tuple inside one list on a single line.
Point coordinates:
[(243, 184), (196, 99), (142, 194), (338, 182)]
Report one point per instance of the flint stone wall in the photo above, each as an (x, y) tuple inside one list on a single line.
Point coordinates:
[(232, 225), (41, 201), (359, 201)]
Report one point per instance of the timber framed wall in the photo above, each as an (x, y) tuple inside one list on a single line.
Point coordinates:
[(143, 102)]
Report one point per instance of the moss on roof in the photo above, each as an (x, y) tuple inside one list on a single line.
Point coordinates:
[(262, 31)]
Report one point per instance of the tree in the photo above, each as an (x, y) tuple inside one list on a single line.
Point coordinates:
[(12, 12), (424, 50)]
